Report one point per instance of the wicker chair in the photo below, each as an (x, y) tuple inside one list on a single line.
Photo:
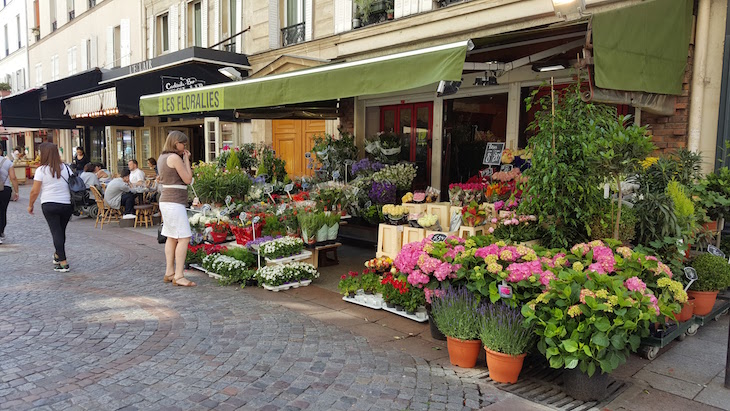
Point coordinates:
[(105, 213)]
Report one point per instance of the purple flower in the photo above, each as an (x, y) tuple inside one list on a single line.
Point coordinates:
[(382, 192)]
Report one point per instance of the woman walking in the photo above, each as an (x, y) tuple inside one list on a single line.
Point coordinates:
[(7, 193), (175, 175), (51, 182)]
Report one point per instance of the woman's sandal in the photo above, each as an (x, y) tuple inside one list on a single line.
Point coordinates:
[(168, 279), (188, 284)]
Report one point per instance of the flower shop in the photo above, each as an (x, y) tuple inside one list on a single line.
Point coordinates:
[(571, 254)]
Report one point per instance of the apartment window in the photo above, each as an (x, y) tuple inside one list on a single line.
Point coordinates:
[(117, 44), (52, 13), (38, 75), (197, 24), (72, 60), (7, 40), (163, 32), (70, 9), (20, 79), (17, 21), (293, 31), (54, 67), (36, 29), (228, 24)]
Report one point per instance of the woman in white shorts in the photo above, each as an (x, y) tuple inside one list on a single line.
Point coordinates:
[(175, 175)]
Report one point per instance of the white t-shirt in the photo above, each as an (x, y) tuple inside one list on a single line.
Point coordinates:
[(53, 190), (5, 167), (136, 176)]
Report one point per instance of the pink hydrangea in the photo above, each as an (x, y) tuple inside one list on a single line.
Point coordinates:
[(417, 278), (523, 271), (431, 293), (635, 284), (545, 277), (586, 292), (654, 303), (596, 268), (624, 251), (492, 249), (581, 248)]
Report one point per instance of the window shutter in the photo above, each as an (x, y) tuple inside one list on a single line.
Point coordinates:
[(239, 26), (204, 23), (308, 21), (343, 15), (426, 5), (414, 6), (84, 59), (109, 47), (217, 24), (172, 20), (183, 26), (94, 51), (274, 42), (398, 9), (151, 37), (125, 45)]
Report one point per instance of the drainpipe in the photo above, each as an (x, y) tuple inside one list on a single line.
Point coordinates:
[(699, 67)]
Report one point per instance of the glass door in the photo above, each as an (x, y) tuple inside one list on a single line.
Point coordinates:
[(126, 149), (413, 124), (212, 138)]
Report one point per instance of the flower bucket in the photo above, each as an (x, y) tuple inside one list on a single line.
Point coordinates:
[(504, 368), (581, 387), (218, 237), (323, 234), (704, 301), (463, 353), (332, 231), (687, 311)]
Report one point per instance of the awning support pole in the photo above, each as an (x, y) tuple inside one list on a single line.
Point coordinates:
[(226, 39)]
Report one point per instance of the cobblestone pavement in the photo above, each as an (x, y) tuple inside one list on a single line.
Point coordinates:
[(111, 335)]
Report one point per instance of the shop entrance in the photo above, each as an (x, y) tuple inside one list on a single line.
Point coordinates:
[(414, 124), (292, 139), (196, 142)]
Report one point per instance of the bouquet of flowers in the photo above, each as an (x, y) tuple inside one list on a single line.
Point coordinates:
[(382, 192), (365, 167), (515, 227), (401, 175), (507, 175), (461, 194), (395, 213), (379, 264), (281, 247), (473, 215), (428, 220)]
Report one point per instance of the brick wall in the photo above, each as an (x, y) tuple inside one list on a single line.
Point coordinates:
[(671, 133)]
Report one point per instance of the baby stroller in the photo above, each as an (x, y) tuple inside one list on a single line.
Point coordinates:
[(84, 204)]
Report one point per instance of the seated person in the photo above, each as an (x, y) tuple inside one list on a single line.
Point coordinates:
[(90, 179), (136, 177), (152, 163), (117, 193), (101, 172)]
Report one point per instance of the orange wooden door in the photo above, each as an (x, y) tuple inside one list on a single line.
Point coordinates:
[(292, 139)]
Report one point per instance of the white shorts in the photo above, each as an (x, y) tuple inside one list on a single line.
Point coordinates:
[(175, 222)]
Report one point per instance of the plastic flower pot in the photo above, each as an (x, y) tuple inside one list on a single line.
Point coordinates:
[(218, 237), (711, 226), (463, 353), (581, 387), (704, 301), (504, 368), (322, 234), (687, 311)]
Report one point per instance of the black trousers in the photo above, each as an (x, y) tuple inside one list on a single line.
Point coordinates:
[(4, 201), (128, 202), (57, 215)]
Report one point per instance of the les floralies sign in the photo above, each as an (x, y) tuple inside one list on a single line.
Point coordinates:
[(170, 83)]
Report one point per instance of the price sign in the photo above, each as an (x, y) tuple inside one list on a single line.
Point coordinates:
[(487, 172), (493, 154), (288, 188), (506, 168), (206, 208), (224, 212), (368, 204), (691, 275), (715, 251), (505, 291), (438, 238), (228, 200), (336, 175), (268, 189)]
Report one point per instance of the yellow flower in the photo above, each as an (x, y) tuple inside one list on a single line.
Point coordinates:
[(664, 282), (578, 266), (470, 244), (533, 278), (613, 299), (574, 311), (490, 259), (500, 243), (609, 307), (647, 162), (602, 294), (494, 268)]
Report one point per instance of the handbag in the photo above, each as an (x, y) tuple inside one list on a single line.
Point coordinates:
[(161, 239), (75, 183)]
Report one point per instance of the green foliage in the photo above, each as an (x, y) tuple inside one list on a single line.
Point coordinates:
[(370, 282), (684, 209), (5, 87), (563, 190), (349, 283), (331, 152), (213, 185), (237, 277), (602, 225), (271, 166), (373, 214), (241, 254), (714, 193), (414, 299), (273, 226), (310, 223), (713, 273), (233, 163)]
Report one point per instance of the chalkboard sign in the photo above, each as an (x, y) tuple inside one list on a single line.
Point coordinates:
[(438, 238), (493, 154), (715, 251)]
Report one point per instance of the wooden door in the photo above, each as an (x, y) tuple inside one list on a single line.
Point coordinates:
[(292, 139)]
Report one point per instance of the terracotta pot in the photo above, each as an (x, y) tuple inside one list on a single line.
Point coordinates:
[(463, 353), (504, 368), (712, 226), (687, 311), (704, 301)]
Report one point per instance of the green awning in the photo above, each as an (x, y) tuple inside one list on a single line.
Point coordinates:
[(643, 47), (397, 72)]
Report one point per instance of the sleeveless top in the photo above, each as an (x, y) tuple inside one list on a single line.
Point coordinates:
[(169, 176)]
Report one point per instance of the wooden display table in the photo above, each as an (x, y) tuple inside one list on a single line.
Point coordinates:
[(466, 232), (320, 257), (20, 172), (413, 235), (390, 240)]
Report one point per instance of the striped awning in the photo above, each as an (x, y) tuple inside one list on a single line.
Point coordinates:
[(95, 104)]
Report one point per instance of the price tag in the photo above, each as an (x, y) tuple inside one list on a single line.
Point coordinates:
[(691, 275), (224, 212), (715, 251), (505, 291), (256, 219), (206, 208), (336, 175), (268, 189), (438, 238), (288, 188), (228, 200), (243, 217), (506, 168), (281, 209), (348, 162), (493, 154), (487, 172)]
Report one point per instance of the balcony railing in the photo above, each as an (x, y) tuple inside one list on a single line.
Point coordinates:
[(71, 14), (231, 47), (292, 34), (444, 3), (376, 12)]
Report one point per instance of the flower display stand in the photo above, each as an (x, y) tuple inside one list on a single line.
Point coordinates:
[(390, 240), (442, 210), (283, 287), (466, 232), (319, 255), (370, 301), (413, 235), (420, 316), (305, 256), (210, 274), (430, 234), (415, 208)]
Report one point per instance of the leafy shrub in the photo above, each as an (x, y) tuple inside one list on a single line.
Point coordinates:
[(241, 254), (602, 226), (713, 273), (233, 162)]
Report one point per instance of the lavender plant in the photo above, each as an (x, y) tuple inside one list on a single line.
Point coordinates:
[(502, 330), (456, 313)]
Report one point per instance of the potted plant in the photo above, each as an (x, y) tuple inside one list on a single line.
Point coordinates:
[(505, 339), (333, 226), (390, 13), (456, 315), (712, 196), (414, 299), (309, 224), (349, 283), (219, 231), (713, 274), (370, 281)]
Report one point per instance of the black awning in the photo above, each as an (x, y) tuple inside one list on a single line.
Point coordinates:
[(24, 110), (74, 85)]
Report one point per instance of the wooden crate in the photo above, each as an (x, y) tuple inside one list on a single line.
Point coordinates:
[(390, 239), (413, 235), (491, 212), (466, 232), (442, 210), (415, 208)]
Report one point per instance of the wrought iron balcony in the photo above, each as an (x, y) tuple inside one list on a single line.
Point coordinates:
[(292, 34), (231, 47), (444, 3)]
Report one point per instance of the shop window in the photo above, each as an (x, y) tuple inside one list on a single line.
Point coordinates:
[(98, 145), (413, 123), (146, 149), (125, 148), (228, 134), (163, 32), (293, 31), (469, 124)]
